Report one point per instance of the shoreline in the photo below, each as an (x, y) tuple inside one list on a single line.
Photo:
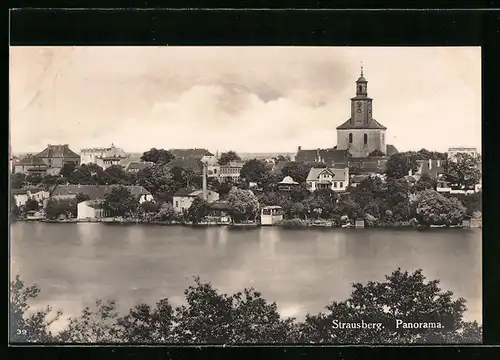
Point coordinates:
[(304, 226)]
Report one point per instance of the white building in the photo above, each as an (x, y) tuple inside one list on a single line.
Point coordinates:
[(104, 157), (453, 151), (231, 171), (183, 198), (90, 210), (328, 178), (213, 167), (20, 197)]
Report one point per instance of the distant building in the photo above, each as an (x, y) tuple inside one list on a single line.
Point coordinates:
[(330, 157), (104, 157), (190, 153), (183, 198), (231, 171), (453, 151), (187, 163), (31, 164), (213, 167), (20, 196), (328, 178), (372, 166), (135, 167), (97, 192), (431, 167), (56, 156)]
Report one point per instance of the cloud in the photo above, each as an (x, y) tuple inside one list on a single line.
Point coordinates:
[(243, 98)]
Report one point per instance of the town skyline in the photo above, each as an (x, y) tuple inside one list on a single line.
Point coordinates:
[(246, 99)]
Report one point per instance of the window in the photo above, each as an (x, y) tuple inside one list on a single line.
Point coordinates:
[(360, 88), (366, 139), (176, 204), (350, 138), (341, 184), (334, 184)]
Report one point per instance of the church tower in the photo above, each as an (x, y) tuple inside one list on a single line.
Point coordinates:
[(361, 134)]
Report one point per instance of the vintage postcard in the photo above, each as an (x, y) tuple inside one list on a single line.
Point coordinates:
[(235, 195)]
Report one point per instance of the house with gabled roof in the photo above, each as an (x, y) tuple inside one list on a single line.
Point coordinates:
[(97, 192), (328, 178), (190, 153), (329, 157), (31, 164), (183, 198), (55, 156), (135, 167)]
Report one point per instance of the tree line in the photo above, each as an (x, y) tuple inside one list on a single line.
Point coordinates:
[(393, 202), (209, 316)]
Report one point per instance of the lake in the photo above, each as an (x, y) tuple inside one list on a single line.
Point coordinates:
[(302, 270)]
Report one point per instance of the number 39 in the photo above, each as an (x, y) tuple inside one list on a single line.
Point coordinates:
[(21, 332)]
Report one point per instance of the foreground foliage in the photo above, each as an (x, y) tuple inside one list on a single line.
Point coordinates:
[(209, 316)]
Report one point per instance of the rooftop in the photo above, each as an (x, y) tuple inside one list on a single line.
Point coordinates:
[(372, 124), (58, 151), (314, 173), (31, 160), (186, 153), (95, 191)]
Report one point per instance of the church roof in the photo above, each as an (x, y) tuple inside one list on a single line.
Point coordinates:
[(361, 79), (372, 124)]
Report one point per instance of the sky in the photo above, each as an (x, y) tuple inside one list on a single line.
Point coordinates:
[(247, 99)]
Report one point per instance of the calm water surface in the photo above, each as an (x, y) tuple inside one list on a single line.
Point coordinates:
[(301, 270)]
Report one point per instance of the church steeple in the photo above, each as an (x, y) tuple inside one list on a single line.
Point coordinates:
[(361, 84)]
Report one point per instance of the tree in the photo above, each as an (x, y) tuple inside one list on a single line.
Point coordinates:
[(81, 197), (51, 180), (166, 213), (159, 181), (67, 169), (222, 188), (324, 201), (227, 157), (463, 170), (425, 182), (298, 170), (116, 175), (24, 327), (120, 202), (254, 170), (55, 208), (435, 209), (402, 296), (34, 179), (157, 156), (377, 152), (31, 205), (399, 165), (17, 180), (210, 316), (88, 174), (282, 158), (471, 202), (242, 204), (150, 207), (198, 210), (424, 154)]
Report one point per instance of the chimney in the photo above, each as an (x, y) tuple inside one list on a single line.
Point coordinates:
[(430, 164), (204, 179), (300, 148)]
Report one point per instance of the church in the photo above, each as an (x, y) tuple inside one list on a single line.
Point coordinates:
[(360, 140)]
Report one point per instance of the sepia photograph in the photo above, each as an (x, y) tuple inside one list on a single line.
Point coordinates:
[(245, 195)]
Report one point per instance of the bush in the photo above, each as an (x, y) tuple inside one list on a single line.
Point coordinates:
[(294, 224), (370, 221)]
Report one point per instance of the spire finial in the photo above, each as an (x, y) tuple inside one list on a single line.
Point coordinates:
[(361, 68)]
